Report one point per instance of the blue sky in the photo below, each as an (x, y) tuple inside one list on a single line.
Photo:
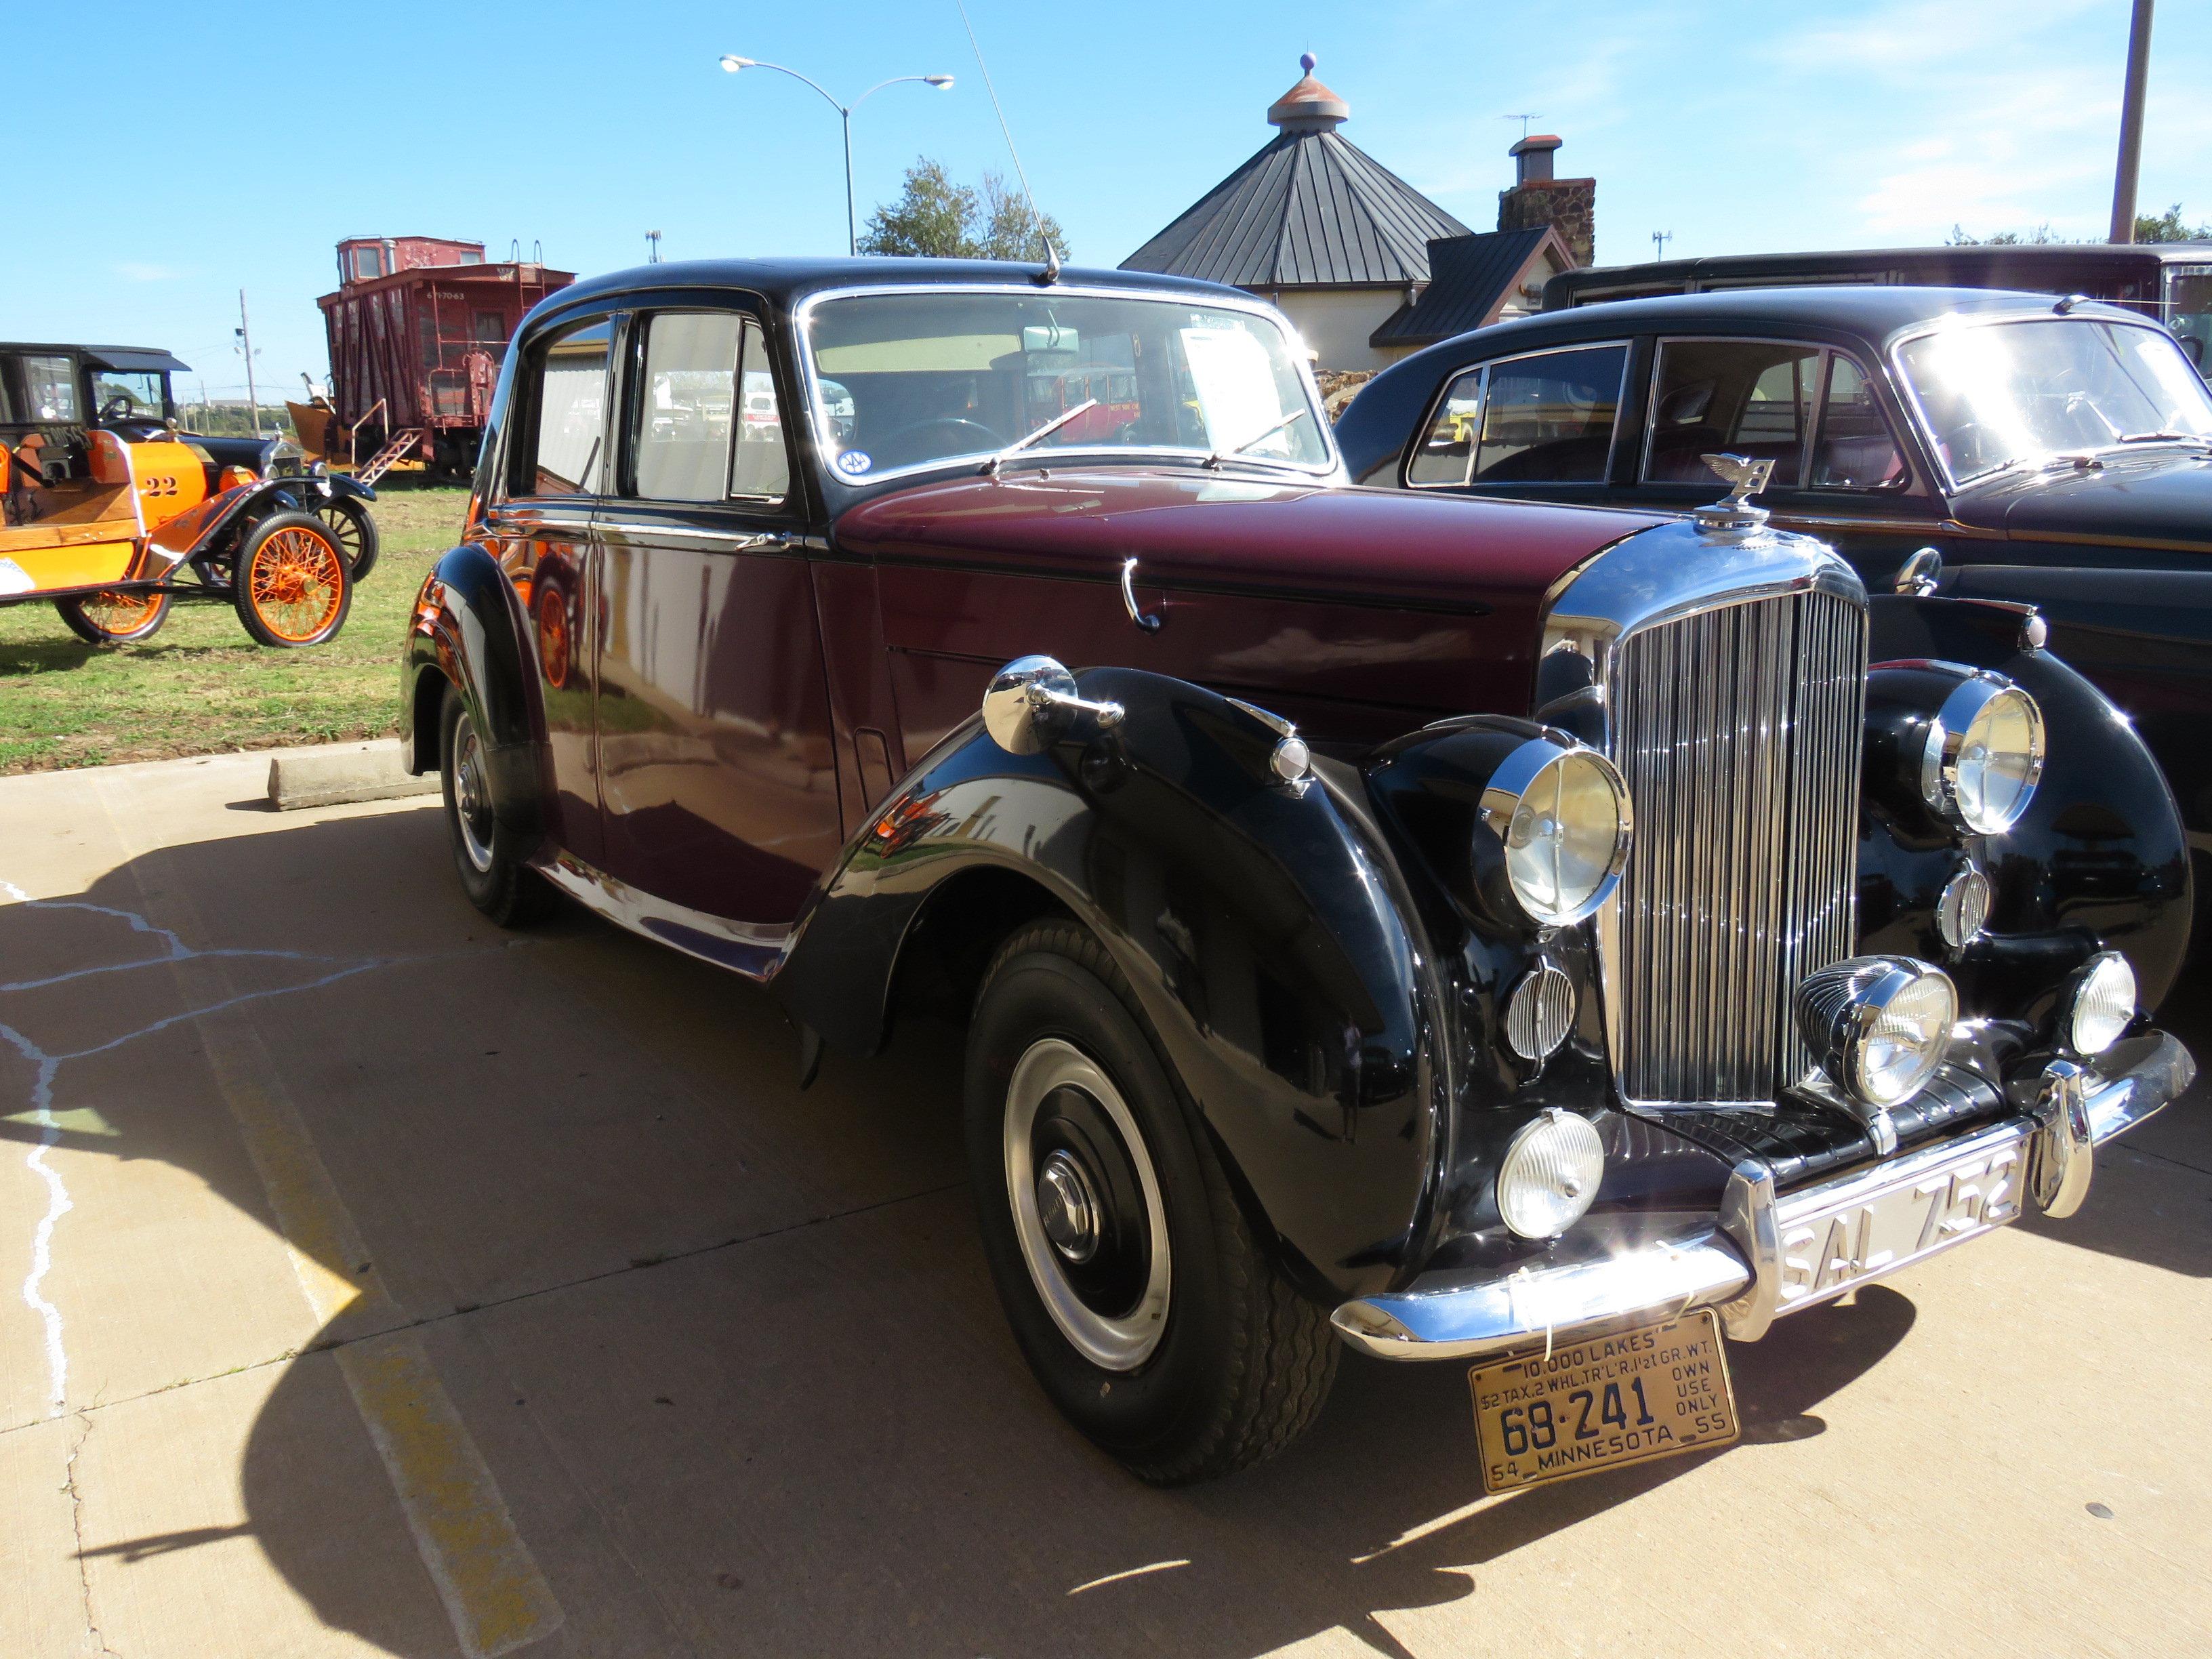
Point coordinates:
[(190, 153)]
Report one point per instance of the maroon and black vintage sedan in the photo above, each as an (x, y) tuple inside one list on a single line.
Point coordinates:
[(1530, 936)]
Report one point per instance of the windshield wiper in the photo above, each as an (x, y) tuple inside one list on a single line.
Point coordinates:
[(2196, 438), (1220, 455), (990, 466)]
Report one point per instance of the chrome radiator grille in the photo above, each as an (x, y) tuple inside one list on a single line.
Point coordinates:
[(1738, 730)]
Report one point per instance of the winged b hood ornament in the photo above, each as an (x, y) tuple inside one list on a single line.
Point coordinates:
[(1734, 511)]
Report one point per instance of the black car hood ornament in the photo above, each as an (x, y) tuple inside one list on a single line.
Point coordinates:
[(1734, 511)]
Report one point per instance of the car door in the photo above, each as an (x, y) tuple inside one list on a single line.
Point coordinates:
[(718, 778), (548, 481)]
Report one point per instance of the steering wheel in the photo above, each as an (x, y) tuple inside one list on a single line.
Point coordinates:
[(117, 408), (893, 455)]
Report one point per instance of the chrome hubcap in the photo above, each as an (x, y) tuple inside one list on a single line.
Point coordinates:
[(1067, 1208), (472, 798), (1086, 1206)]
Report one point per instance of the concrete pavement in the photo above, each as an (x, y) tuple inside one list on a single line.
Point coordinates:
[(378, 1283)]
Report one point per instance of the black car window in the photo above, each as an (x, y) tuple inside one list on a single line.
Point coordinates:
[(1441, 456), (1745, 397), (50, 385), (1855, 450), (762, 471), (684, 403), (565, 451), (1546, 419)]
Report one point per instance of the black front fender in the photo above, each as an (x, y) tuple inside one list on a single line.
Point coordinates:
[(1263, 927), (467, 631)]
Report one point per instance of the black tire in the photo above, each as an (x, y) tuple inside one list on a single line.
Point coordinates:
[(1240, 1363), (268, 610), (354, 526), (83, 615), (485, 851)]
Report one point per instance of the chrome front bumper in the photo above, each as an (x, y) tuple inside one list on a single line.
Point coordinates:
[(1770, 1255)]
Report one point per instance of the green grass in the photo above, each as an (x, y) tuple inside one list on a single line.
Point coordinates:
[(201, 686)]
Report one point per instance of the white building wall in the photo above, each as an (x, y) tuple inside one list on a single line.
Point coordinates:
[(1336, 322)]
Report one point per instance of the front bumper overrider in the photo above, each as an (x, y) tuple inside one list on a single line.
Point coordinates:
[(1755, 1263)]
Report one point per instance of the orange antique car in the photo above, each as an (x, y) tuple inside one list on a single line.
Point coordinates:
[(113, 536)]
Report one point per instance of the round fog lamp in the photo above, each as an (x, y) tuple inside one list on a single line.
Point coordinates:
[(1878, 1025), (2104, 1003), (1550, 1174), (1562, 815)]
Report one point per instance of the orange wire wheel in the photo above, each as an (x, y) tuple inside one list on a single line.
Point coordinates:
[(291, 582), (115, 615)]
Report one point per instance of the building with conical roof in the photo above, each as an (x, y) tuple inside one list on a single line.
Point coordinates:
[(1313, 223)]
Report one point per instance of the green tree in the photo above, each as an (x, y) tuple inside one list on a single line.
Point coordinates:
[(934, 218), (2166, 226)]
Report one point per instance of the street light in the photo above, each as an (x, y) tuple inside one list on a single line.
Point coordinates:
[(731, 63)]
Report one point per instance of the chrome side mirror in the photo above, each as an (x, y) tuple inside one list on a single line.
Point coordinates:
[(1919, 575), (1032, 701)]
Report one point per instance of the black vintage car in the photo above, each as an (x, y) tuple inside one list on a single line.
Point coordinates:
[(2053, 453), (1530, 937)]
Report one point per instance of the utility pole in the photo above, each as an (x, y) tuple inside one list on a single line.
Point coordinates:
[(245, 345), (2131, 123), (1659, 240)]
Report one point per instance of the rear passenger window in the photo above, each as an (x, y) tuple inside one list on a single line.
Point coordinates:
[(1549, 418), (1746, 397), (1856, 451), (1442, 455), (761, 471), (567, 454)]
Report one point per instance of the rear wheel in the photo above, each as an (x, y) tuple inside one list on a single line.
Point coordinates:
[(289, 582), (1140, 1296), (113, 616), (486, 851), (349, 522)]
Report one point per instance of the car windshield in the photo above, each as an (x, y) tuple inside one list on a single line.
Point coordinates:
[(1998, 393), (907, 379), (127, 394)]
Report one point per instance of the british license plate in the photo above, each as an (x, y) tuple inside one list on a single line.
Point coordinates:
[(1603, 1403)]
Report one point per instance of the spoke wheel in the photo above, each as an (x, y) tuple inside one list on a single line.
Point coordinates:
[(355, 532), (291, 583), (114, 616)]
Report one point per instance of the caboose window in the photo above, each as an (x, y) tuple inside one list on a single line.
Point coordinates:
[(367, 262)]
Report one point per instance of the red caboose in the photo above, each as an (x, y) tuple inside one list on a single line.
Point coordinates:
[(417, 329)]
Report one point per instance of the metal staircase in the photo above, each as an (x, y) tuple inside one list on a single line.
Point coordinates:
[(387, 458)]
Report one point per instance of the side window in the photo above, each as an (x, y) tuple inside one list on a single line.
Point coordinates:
[(1549, 418), (685, 402), (565, 454), (51, 384), (762, 471), (1446, 448), (1855, 451), (1747, 396)]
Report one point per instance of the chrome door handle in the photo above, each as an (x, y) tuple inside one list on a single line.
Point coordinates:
[(1129, 598), (769, 541)]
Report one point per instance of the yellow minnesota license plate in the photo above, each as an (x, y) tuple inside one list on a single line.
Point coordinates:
[(1604, 1403)]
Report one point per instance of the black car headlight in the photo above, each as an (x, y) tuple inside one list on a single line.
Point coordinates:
[(1560, 812), (1960, 744)]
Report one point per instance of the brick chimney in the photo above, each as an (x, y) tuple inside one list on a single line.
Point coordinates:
[(1537, 199)]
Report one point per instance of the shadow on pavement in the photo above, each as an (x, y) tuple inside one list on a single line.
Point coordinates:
[(729, 1350)]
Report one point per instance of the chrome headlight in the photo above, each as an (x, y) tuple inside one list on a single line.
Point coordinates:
[(1550, 1174), (1878, 1025), (2103, 1003), (1984, 755), (1561, 814)]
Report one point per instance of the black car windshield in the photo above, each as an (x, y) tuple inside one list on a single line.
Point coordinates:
[(1997, 393), (907, 380)]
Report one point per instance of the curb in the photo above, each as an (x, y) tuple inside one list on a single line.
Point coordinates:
[(341, 774)]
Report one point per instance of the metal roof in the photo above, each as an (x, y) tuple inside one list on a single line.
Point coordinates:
[(1468, 276), (103, 356), (1309, 209)]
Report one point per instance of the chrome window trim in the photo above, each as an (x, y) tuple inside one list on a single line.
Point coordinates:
[(1909, 391), (1627, 346), (802, 319)]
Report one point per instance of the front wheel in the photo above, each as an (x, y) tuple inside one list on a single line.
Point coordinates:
[(349, 522), (485, 851), (1136, 1291), (114, 616), (289, 582)]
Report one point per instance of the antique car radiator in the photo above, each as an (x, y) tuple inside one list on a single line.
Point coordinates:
[(1738, 731)]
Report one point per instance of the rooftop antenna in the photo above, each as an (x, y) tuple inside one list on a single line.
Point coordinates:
[(1522, 119), (652, 247), (1051, 254), (1659, 240)]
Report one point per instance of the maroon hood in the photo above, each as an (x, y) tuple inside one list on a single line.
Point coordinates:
[(1375, 547), (1360, 613)]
